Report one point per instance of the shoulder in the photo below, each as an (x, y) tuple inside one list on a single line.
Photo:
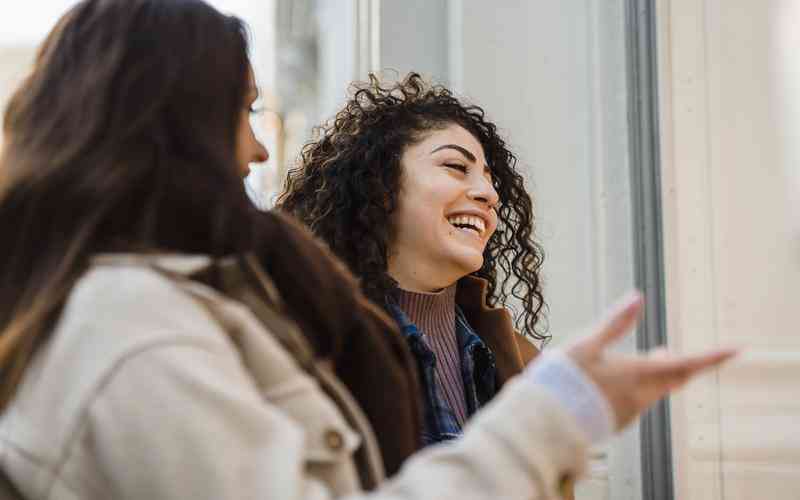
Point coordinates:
[(113, 314), (136, 302), (116, 311)]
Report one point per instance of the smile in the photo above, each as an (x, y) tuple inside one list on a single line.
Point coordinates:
[(468, 223)]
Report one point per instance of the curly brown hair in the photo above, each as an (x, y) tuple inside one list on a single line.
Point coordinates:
[(346, 182)]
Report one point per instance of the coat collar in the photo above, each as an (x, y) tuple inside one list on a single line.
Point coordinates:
[(183, 264), (495, 326)]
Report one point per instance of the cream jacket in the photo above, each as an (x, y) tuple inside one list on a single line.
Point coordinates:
[(150, 388)]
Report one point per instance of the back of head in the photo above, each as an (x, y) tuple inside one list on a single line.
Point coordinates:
[(121, 138)]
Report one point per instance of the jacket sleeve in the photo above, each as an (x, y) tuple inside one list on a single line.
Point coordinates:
[(187, 421), (529, 352)]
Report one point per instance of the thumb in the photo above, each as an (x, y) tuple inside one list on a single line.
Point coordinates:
[(620, 320)]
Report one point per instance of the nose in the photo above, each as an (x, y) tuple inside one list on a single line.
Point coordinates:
[(260, 153), (484, 192)]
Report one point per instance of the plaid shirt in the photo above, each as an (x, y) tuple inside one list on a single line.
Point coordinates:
[(477, 371)]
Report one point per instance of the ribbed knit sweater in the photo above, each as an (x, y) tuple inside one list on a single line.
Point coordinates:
[(435, 316)]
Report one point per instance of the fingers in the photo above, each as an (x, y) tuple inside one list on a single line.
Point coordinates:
[(655, 377), (683, 366), (621, 320), (665, 380)]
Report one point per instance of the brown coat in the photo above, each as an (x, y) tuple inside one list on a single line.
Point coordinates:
[(495, 327)]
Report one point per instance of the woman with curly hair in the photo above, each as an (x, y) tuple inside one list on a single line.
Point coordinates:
[(421, 197)]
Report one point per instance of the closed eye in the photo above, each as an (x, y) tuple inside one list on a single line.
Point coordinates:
[(457, 166)]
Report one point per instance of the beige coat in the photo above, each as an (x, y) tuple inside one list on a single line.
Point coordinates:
[(152, 388)]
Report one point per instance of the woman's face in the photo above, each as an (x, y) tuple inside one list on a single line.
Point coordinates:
[(248, 148), (445, 214)]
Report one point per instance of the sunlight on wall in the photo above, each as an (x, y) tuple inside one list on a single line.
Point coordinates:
[(27, 23), (786, 61)]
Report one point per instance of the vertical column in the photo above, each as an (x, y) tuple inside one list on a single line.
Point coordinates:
[(688, 247)]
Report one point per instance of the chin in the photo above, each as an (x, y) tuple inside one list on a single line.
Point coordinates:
[(468, 264)]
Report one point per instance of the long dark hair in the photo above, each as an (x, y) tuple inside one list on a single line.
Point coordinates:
[(346, 183), (122, 138)]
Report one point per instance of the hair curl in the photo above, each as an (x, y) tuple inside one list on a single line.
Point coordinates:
[(346, 182)]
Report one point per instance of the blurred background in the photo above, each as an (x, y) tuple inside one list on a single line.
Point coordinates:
[(660, 141)]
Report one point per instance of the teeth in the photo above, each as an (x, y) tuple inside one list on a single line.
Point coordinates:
[(478, 222), (470, 220)]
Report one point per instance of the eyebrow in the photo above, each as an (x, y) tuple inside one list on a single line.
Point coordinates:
[(463, 151)]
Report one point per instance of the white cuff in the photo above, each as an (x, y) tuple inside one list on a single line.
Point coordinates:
[(578, 394)]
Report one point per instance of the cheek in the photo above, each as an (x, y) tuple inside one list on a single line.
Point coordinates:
[(424, 198), (492, 230), (241, 137), (415, 224), (416, 202), (242, 151)]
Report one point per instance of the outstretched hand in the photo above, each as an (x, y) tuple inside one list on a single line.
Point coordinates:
[(631, 383)]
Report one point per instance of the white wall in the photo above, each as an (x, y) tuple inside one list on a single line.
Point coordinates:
[(730, 132), (27, 23), (384, 36), (414, 37), (337, 53)]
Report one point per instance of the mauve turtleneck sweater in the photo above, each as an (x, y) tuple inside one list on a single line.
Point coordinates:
[(435, 316)]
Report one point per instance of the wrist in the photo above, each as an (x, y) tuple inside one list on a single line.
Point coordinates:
[(575, 391)]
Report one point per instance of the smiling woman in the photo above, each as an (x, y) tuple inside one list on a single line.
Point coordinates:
[(417, 192), (351, 184), (446, 211)]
